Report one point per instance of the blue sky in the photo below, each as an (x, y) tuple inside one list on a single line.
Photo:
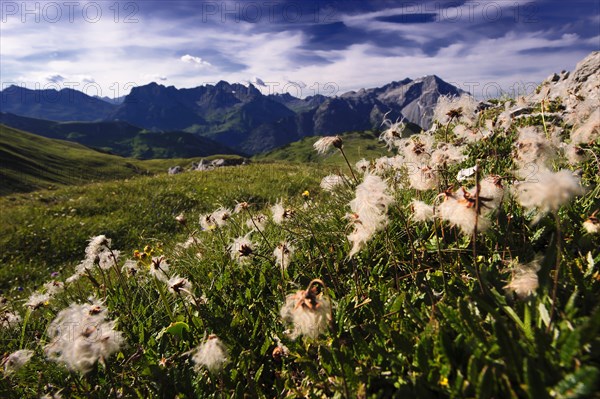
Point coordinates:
[(301, 47)]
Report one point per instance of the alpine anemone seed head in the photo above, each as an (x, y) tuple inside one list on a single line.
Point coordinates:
[(417, 149), (445, 155), (211, 354), (421, 212), (532, 148), (369, 211), (181, 219), (308, 311), (96, 245), (363, 165), (241, 249), (54, 287), (330, 182), (460, 109), (461, 209), (422, 177), (37, 300), (241, 206), (9, 320), (393, 133), (589, 131), (324, 144), (159, 267), (283, 254), (281, 214), (16, 360), (524, 280), (257, 222), (179, 285), (547, 191), (81, 335)]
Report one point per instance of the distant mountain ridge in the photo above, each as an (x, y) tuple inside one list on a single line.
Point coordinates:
[(239, 116)]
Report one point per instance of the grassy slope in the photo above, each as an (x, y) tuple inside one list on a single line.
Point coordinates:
[(50, 228), (29, 162), (356, 146)]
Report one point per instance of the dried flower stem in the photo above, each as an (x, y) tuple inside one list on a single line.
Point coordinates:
[(348, 163), (475, 264)]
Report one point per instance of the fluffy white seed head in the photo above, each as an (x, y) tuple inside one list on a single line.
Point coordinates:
[(241, 249), (308, 311), (17, 360), (330, 182), (421, 212), (324, 144), (283, 254), (524, 279), (211, 354)]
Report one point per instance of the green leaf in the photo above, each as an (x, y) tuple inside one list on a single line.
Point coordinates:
[(177, 328), (579, 384)]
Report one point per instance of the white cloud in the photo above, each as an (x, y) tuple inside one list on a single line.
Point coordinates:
[(154, 77), (195, 60)]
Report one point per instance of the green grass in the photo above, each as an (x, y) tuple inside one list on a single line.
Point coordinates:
[(30, 162), (44, 231)]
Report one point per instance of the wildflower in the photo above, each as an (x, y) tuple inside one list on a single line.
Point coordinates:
[(446, 154), (37, 300), (283, 254), (221, 216), (241, 206), (369, 209), (309, 311), (281, 214), (54, 287), (306, 194), (363, 165), (460, 109), (16, 360), (592, 224), (330, 182), (130, 268), (107, 259), (257, 222), (417, 148), (241, 249), (280, 351), (466, 134), (81, 335), (9, 320), (325, 143), (589, 130), (393, 133), (460, 209), (548, 191), (422, 212), (524, 279), (159, 267), (533, 148), (212, 354), (422, 177), (179, 285), (96, 245)]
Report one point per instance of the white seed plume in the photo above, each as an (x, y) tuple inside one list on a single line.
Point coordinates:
[(81, 335), (179, 285), (330, 182), (9, 320), (283, 254), (54, 287), (16, 360), (257, 222), (393, 133), (524, 279), (281, 214), (159, 267), (308, 311), (422, 212), (589, 131), (211, 354), (96, 245), (532, 148), (369, 211), (460, 109), (547, 191), (592, 224), (37, 300), (108, 259), (460, 209), (422, 177), (324, 144), (130, 268), (241, 249), (363, 165), (445, 155)]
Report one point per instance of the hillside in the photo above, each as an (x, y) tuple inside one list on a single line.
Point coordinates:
[(30, 162), (120, 138)]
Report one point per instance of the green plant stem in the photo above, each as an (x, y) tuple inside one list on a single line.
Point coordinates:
[(27, 316), (556, 268), (163, 298)]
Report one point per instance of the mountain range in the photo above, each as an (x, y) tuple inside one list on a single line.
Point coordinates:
[(239, 118)]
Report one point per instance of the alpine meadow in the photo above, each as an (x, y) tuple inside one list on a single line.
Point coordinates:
[(462, 261), (299, 199)]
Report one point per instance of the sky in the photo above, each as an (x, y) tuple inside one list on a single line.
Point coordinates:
[(105, 48)]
